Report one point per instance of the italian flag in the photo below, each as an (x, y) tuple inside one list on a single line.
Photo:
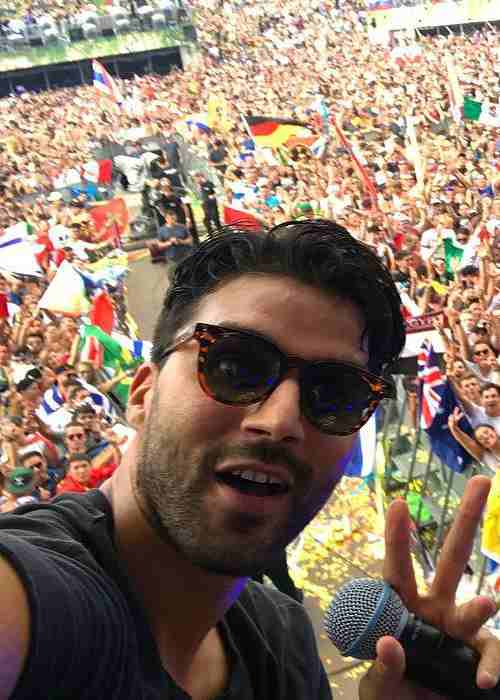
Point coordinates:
[(488, 115)]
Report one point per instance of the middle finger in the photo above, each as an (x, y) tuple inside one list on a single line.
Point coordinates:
[(457, 546)]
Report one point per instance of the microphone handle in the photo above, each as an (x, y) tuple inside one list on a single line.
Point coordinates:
[(442, 664)]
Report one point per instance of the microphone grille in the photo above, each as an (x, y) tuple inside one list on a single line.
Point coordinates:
[(363, 611)]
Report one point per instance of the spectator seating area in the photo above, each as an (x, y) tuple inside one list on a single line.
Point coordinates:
[(19, 30)]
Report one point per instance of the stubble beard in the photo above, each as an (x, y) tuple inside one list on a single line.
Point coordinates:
[(171, 486)]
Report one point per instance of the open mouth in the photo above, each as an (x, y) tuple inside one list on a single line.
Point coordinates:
[(253, 483)]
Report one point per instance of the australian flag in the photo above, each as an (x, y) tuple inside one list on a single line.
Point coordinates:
[(437, 402)]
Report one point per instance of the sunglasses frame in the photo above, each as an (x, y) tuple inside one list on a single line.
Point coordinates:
[(207, 334)]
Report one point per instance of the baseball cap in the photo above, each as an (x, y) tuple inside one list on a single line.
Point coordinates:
[(20, 481)]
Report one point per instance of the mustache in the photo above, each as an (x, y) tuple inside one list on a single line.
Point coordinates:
[(262, 451)]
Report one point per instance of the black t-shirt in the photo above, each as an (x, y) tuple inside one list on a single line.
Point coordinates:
[(90, 636), (172, 203), (207, 193), (217, 154)]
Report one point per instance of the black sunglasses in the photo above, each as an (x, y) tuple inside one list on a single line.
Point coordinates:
[(240, 368)]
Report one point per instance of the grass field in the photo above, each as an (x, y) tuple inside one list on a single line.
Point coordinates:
[(92, 48)]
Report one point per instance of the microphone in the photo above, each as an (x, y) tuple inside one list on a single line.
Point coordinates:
[(364, 610)]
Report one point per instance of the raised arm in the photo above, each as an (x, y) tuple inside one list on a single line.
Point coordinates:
[(465, 440)]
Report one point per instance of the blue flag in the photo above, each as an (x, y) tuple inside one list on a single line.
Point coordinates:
[(443, 444), (437, 402)]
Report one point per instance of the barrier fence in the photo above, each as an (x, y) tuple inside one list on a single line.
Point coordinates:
[(432, 490)]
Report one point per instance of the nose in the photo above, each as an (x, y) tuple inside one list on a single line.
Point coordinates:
[(279, 416)]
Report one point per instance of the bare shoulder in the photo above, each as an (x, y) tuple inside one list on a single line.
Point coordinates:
[(14, 628)]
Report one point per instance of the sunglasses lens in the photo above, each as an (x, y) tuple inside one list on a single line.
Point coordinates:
[(239, 369), (337, 400)]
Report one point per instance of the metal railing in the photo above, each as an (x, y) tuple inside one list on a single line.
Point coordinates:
[(433, 491)]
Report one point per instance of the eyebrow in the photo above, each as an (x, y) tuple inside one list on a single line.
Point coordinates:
[(235, 325)]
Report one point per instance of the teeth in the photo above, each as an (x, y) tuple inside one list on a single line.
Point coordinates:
[(257, 476)]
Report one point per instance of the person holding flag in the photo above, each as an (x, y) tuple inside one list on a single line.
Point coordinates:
[(483, 446), (105, 84)]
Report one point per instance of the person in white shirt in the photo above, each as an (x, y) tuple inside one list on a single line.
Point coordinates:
[(489, 411), (484, 446), (432, 237)]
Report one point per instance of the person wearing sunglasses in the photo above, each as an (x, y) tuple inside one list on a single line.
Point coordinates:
[(270, 352)]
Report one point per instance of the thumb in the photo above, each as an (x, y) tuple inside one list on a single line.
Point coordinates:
[(382, 682)]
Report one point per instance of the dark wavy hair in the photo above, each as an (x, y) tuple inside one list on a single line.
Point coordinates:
[(319, 253)]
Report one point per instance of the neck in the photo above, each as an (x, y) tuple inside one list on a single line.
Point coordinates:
[(183, 602)]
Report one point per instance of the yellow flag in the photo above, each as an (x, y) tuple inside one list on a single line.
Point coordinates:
[(490, 537), (217, 113), (439, 288)]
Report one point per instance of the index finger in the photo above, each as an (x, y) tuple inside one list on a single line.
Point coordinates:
[(458, 544), (398, 566)]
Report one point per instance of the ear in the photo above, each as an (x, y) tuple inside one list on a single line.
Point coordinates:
[(140, 395)]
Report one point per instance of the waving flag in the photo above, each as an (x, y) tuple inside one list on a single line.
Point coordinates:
[(110, 219), (362, 460), (199, 120), (66, 293), (139, 349), (364, 176), (117, 354), (320, 108), (17, 253), (53, 400), (490, 536), (236, 216), (437, 403), (482, 112), (455, 92), (274, 132), (104, 83), (102, 312)]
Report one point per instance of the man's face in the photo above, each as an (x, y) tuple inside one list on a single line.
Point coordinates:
[(482, 354), (12, 431), (80, 471), (75, 439), (187, 435), (86, 420), (4, 355), (38, 463), (490, 399), (468, 321), (34, 344)]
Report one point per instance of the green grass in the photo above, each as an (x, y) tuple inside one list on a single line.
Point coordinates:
[(92, 48)]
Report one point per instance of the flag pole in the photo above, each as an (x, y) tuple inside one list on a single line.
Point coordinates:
[(247, 128)]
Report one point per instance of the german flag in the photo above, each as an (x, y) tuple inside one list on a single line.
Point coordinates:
[(273, 132)]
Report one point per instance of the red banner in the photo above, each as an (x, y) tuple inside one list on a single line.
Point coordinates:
[(110, 219), (418, 324)]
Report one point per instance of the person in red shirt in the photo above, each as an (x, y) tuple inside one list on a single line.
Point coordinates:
[(79, 477)]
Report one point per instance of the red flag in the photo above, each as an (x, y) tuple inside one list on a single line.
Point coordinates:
[(370, 188), (105, 172), (240, 217), (43, 255), (4, 311), (484, 235), (110, 219), (101, 313)]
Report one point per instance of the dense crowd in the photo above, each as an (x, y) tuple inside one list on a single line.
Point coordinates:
[(429, 184), (25, 13)]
